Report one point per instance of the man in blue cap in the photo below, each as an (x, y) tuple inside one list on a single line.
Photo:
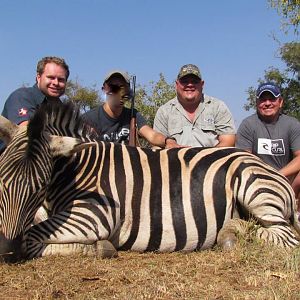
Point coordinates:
[(271, 135)]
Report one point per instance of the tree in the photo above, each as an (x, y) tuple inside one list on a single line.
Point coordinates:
[(288, 80), (85, 97), (150, 98), (289, 10)]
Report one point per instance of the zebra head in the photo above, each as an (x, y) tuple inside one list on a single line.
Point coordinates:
[(25, 170)]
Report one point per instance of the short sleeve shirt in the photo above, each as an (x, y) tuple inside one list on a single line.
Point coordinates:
[(22, 103), (110, 129), (274, 142), (212, 119)]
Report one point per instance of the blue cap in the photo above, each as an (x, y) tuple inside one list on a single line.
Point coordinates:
[(268, 87)]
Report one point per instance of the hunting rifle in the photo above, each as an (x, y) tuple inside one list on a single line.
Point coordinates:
[(132, 130)]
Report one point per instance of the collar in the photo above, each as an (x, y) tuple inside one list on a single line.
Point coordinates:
[(41, 96)]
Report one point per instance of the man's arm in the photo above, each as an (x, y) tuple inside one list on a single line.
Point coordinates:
[(156, 138), (19, 106), (160, 121), (225, 127), (244, 136), (226, 140), (25, 123), (293, 167)]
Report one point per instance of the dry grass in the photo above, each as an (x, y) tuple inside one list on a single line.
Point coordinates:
[(251, 271)]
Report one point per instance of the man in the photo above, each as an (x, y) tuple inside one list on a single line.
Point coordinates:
[(51, 79), (112, 120), (192, 118), (271, 135)]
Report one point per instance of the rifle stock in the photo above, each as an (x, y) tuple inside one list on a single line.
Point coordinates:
[(132, 132), (132, 128)]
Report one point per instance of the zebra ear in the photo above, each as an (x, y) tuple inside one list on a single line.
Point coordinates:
[(66, 146), (8, 130)]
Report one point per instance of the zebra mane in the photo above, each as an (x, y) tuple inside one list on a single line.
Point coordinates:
[(61, 119)]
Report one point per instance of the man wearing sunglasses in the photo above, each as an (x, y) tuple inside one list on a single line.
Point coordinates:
[(193, 118), (272, 135), (112, 119)]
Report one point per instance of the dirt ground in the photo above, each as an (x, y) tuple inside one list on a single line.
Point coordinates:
[(251, 271)]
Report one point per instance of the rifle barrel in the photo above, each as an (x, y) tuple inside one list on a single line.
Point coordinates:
[(132, 132)]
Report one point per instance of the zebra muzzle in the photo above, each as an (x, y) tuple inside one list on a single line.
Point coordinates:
[(10, 249)]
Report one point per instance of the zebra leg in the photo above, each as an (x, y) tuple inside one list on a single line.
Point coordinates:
[(227, 236), (100, 249), (41, 215), (271, 202), (67, 233), (278, 234), (296, 221), (276, 224)]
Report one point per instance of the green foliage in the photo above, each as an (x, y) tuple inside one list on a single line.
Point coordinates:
[(288, 80), (150, 98), (85, 97), (289, 10), (290, 53)]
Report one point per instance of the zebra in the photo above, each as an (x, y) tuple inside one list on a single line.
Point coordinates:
[(102, 197)]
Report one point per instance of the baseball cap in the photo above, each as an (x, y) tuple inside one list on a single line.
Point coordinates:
[(117, 72), (189, 69), (268, 87)]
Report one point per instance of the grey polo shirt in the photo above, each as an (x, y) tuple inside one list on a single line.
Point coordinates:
[(212, 119)]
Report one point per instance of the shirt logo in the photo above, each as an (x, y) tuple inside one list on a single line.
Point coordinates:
[(22, 112), (116, 136), (209, 120), (270, 147)]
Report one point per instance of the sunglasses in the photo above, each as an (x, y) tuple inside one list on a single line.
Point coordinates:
[(188, 80), (114, 88)]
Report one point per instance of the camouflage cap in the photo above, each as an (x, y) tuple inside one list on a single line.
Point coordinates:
[(118, 72), (189, 70)]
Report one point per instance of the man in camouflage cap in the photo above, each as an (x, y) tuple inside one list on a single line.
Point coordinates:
[(189, 70), (193, 118)]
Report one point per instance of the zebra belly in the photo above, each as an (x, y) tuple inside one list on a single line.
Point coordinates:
[(198, 237)]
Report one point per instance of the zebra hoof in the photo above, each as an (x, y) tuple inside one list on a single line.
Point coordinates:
[(228, 244), (226, 240), (105, 249)]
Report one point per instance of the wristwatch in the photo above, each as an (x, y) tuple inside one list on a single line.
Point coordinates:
[(169, 138)]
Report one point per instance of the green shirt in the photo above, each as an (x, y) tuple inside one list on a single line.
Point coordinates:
[(212, 118)]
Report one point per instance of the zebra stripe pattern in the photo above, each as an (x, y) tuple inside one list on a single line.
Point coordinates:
[(137, 199)]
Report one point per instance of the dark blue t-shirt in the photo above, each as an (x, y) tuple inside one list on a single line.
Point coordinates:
[(110, 129), (22, 103)]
